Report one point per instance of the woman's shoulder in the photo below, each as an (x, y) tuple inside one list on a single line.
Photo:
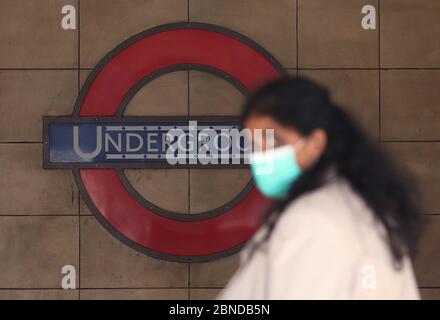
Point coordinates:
[(332, 213), (324, 203)]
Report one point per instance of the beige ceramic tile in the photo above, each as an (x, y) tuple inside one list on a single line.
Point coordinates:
[(134, 294), (330, 35), (272, 24), (204, 294), (31, 35), (83, 209), (211, 95), (212, 188), (410, 33), (154, 99), (430, 294), (427, 263), (52, 294), (354, 90), (27, 96), (214, 273), (166, 188), (164, 96), (410, 108), (108, 263), (34, 250), (106, 23), (26, 188), (420, 160)]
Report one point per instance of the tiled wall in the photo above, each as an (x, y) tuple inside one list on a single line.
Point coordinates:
[(388, 78)]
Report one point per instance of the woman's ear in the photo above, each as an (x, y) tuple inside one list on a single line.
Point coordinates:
[(315, 145), (318, 141)]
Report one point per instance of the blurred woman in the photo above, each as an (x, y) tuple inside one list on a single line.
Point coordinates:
[(345, 223)]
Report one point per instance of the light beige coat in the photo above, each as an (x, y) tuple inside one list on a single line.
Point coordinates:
[(326, 245)]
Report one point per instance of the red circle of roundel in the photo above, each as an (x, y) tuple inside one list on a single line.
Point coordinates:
[(134, 60)]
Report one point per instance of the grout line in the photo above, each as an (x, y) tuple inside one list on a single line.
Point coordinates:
[(379, 136), (297, 39), (79, 40), (79, 244), (287, 68), (113, 288), (187, 13), (21, 142), (408, 68), (34, 289), (189, 280), (90, 215), (189, 171), (189, 181), (381, 141), (379, 32), (409, 141), (44, 69), (188, 113), (145, 288), (360, 68), (380, 78), (38, 215), (79, 195)]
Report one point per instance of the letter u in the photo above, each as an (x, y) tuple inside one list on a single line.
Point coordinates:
[(76, 147)]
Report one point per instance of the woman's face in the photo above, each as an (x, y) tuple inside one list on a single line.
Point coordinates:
[(306, 153)]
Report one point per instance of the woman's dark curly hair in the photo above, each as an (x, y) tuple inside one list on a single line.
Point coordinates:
[(304, 105)]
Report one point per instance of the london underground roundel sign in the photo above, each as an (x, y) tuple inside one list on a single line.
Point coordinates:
[(99, 111)]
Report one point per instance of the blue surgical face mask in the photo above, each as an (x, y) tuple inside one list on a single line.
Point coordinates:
[(275, 170)]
